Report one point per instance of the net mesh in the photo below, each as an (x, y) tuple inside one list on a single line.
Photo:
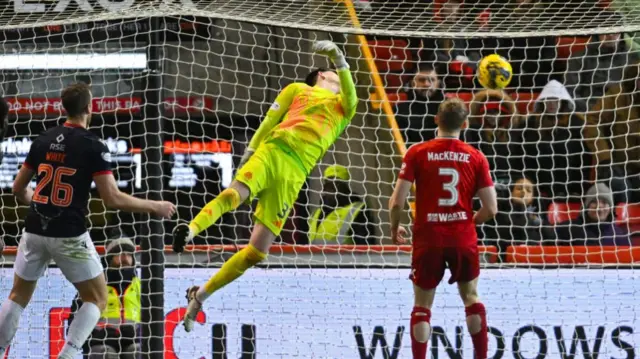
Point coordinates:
[(387, 18), (224, 62)]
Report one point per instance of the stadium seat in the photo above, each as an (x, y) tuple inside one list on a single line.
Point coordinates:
[(394, 81), (628, 214), (524, 100), (561, 211), (604, 3), (566, 46), (392, 56)]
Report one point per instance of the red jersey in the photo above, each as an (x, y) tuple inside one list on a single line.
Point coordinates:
[(447, 173)]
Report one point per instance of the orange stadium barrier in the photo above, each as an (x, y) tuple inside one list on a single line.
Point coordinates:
[(535, 255), (291, 249), (553, 255)]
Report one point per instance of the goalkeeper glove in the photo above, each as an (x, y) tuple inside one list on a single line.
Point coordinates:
[(245, 157), (182, 234), (331, 50)]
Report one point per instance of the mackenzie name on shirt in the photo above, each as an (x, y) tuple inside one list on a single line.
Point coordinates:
[(447, 217), (448, 156)]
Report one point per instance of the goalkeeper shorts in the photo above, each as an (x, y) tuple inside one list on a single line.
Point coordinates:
[(275, 178)]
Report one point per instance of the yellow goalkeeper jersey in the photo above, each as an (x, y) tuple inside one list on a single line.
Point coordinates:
[(308, 119)]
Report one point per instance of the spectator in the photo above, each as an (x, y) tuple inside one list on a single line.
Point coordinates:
[(296, 228), (555, 154), (596, 224), (115, 336), (590, 73), (492, 117), (517, 221), (613, 135), (343, 217), (457, 58), (416, 115)]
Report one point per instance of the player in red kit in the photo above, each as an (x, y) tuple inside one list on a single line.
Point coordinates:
[(447, 173)]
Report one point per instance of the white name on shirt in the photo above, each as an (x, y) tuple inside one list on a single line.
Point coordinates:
[(448, 156)]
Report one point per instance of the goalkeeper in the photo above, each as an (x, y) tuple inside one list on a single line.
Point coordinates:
[(303, 122)]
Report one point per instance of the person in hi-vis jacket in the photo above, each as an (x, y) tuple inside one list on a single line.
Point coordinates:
[(343, 216), (116, 335)]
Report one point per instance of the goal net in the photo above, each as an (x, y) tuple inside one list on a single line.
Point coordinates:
[(180, 86)]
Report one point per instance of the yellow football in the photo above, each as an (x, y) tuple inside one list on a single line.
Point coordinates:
[(494, 72)]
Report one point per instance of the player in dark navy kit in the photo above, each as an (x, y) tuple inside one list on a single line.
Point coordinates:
[(447, 173), (65, 161)]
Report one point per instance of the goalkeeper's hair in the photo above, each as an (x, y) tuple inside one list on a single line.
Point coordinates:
[(451, 114), (312, 77)]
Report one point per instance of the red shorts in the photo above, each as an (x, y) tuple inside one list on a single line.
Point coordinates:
[(428, 265)]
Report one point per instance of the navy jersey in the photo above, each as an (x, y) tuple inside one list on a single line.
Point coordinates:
[(65, 160)]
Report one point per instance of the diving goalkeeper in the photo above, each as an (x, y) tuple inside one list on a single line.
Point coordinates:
[(303, 122)]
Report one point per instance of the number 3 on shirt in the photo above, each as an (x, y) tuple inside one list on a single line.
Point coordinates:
[(450, 187), (61, 193)]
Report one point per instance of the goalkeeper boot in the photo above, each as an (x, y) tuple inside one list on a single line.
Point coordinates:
[(193, 308), (181, 236)]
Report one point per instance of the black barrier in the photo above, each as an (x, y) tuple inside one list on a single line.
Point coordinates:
[(153, 230)]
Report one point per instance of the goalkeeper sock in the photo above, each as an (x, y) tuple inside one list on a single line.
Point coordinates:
[(9, 318), (227, 201), (420, 331), (477, 326), (231, 270), (83, 324)]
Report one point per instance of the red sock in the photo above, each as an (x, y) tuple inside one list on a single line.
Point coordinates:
[(419, 315), (480, 339)]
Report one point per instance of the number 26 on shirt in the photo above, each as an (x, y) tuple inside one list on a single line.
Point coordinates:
[(61, 192)]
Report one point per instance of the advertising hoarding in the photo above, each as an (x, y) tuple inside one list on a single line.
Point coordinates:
[(364, 313)]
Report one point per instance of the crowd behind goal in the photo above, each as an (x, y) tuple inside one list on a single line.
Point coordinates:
[(562, 139)]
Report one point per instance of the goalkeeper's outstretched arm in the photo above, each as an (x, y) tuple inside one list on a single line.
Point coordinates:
[(273, 117), (347, 91), (275, 114), (347, 87)]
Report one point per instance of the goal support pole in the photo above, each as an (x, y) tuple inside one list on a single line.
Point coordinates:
[(379, 86), (377, 80), (153, 232)]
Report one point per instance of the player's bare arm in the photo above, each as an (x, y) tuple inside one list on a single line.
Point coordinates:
[(396, 209), (114, 198), (21, 188), (489, 200)]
